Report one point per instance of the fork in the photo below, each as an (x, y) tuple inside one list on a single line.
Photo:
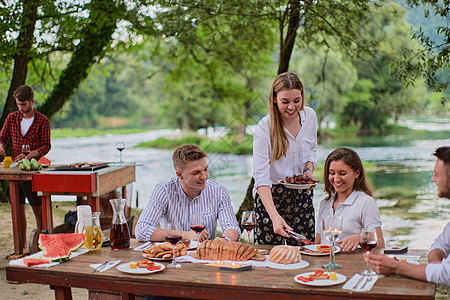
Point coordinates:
[(369, 279), (358, 282)]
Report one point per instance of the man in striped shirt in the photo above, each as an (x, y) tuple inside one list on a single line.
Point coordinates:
[(190, 193)]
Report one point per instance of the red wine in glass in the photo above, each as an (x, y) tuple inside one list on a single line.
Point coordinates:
[(368, 241), (26, 149), (120, 236), (248, 226), (198, 228), (368, 246), (173, 239)]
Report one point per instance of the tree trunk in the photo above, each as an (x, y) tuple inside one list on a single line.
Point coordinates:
[(241, 131), (247, 204), (287, 44), (286, 48), (91, 49), (19, 76), (22, 56)]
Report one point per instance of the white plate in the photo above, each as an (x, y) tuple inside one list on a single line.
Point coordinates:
[(193, 245), (321, 282), (412, 259), (313, 247), (299, 265), (296, 186), (124, 268)]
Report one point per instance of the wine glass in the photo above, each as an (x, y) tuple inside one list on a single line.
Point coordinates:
[(173, 236), (332, 227), (198, 225), (248, 222), (120, 146), (26, 149), (368, 241)]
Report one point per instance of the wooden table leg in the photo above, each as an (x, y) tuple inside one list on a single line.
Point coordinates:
[(47, 213), (127, 296), (95, 204), (17, 213), (125, 196), (62, 293)]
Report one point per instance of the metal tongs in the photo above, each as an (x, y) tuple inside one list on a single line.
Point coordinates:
[(299, 237)]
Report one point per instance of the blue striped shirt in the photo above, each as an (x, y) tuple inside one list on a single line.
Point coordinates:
[(169, 204)]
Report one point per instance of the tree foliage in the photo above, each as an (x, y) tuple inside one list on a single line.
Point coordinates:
[(433, 58)]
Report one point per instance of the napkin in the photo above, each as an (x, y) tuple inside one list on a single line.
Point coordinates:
[(351, 283), (106, 267), (19, 262)]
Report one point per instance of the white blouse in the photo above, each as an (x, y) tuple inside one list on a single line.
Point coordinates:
[(358, 211), (302, 148)]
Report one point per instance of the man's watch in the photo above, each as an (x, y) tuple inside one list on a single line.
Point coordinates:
[(306, 169), (227, 238)]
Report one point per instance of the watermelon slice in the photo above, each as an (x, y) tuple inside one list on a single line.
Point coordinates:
[(35, 261), (57, 247), (73, 240), (44, 161)]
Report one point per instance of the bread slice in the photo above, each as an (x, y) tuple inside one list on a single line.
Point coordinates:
[(249, 253)]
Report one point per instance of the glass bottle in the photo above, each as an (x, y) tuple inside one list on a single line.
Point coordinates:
[(93, 232), (7, 161), (120, 233)]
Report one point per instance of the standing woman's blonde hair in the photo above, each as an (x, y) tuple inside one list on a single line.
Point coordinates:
[(278, 138)]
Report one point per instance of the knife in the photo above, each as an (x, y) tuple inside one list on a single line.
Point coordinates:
[(144, 246), (296, 235), (299, 237)]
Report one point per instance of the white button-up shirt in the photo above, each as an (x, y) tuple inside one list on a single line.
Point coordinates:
[(302, 148), (440, 273), (358, 211), (169, 204)]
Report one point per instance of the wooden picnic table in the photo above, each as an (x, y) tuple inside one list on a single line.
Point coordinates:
[(199, 281), (91, 184)]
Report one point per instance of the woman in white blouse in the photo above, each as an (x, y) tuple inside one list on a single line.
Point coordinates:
[(284, 144), (349, 196)]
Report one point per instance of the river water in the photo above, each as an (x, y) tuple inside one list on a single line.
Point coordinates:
[(412, 214)]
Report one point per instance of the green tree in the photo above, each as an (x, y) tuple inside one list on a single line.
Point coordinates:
[(434, 56)]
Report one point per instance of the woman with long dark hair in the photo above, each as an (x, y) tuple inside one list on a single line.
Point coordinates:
[(349, 196)]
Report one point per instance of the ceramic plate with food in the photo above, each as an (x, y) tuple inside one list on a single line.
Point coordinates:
[(126, 269), (158, 258), (317, 250), (300, 278), (412, 259), (299, 265), (192, 245), (298, 186)]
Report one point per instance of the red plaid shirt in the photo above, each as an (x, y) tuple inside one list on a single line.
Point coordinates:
[(38, 136)]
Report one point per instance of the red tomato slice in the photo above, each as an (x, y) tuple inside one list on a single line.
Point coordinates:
[(304, 279), (318, 272), (324, 247), (153, 268)]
